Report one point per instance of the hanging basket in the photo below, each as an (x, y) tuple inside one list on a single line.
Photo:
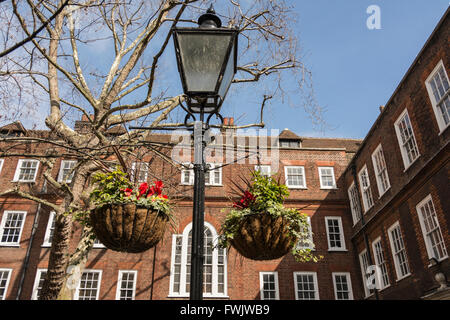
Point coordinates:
[(127, 227), (263, 237)]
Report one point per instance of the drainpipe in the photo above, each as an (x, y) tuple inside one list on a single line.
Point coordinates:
[(363, 222), (27, 256), (153, 271)]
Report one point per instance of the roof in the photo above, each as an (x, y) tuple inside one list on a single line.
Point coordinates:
[(13, 127), (287, 134)]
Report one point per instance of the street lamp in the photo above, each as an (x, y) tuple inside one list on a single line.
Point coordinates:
[(206, 59)]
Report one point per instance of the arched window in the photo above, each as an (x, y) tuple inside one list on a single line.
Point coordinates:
[(214, 264)]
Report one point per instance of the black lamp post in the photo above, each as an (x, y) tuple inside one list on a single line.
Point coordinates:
[(206, 58)]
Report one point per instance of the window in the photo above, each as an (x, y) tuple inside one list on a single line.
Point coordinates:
[(66, 171), (381, 173), (1, 164), (439, 92), (289, 144), (49, 231), (431, 230), (354, 203), (98, 245), (364, 263), (398, 251), (342, 286), (89, 285), (214, 264), (139, 172), (365, 189), (308, 244), (383, 278), (326, 175), (406, 139), (126, 285), (335, 233), (264, 170), (295, 177), (306, 286), (187, 174), (26, 170), (5, 275), (11, 227), (268, 282), (38, 282), (213, 177)]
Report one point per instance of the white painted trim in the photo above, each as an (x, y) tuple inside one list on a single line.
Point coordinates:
[(349, 284), (316, 286), (119, 283), (2, 225), (261, 284), (9, 270)]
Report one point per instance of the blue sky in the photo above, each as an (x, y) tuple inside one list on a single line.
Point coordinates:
[(355, 70)]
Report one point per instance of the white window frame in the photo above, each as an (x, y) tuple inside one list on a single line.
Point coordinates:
[(189, 171), (341, 234), (214, 167), (143, 166), (366, 191), (8, 278), (332, 174), (62, 168), (265, 169), (119, 284), (395, 253), (2, 226), (428, 201), (380, 261), (98, 245), (77, 291), (406, 162), (37, 284), (309, 245), (261, 284), (439, 117), (349, 284), (19, 166), (364, 264), (302, 185), (380, 171), (48, 231), (183, 268), (208, 182), (355, 207), (1, 164), (316, 287)]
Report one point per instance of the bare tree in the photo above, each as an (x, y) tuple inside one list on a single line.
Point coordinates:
[(108, 61)]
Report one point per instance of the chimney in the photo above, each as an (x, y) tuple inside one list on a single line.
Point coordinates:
[(82, 126), (381, 108)]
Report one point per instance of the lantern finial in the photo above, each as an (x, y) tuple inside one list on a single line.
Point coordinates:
[(209, 19)]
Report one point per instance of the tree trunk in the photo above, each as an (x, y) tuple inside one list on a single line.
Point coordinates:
[(58, 257)]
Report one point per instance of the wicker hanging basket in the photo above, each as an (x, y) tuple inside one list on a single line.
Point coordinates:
[(127, 227), (263, 237)]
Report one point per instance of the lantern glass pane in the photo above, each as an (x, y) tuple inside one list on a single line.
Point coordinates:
[(227, 76), (202, 56)]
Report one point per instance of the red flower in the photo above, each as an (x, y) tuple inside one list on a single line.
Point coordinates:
[(143, 189), (128, 191), (158, 186), (245, 201)]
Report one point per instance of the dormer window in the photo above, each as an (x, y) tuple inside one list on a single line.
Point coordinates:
[(289, 144), (288, 139)]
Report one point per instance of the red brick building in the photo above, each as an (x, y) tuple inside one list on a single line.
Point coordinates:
[(378, 202), (398, 181)]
